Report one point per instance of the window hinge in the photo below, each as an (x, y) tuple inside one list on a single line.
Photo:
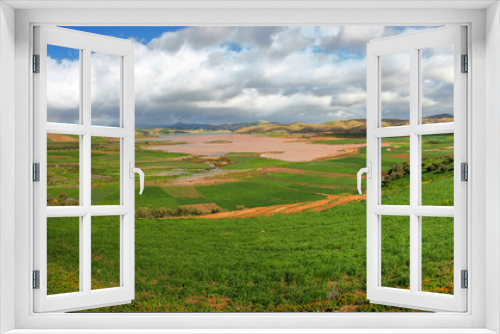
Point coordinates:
[(36, 172), (36, 63), (465, 64), (465, 279), (464, 171), (36, 279)]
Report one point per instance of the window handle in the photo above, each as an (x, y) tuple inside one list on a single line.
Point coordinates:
[(134, 170), (368, 171)]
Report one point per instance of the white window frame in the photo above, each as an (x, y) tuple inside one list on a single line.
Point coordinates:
[(483, 314), (412, 44), (85, 43)]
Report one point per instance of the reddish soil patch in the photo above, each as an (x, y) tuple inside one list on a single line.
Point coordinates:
[(341, 200), (310, 205), (60, 138), (216, 303), (349, 308), (317, 206)]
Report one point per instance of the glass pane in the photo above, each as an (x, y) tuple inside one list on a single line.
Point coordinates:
[(438, 72), (63, 169), (105, 241), (395, 251), (105, 89), (437, 254), (395, 168), (63, 84), (105, 171), (63, 255), (395, 89), (437, 170)]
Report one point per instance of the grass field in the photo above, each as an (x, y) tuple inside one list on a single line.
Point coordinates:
[(303, 261)]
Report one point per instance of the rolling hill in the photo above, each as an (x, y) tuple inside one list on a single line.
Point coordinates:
[(345, 126)]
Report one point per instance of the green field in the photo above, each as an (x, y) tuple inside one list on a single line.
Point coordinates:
[(249, 195), (301, 262), (286, 262)]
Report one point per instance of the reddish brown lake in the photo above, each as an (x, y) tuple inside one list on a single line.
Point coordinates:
[(286, 149)]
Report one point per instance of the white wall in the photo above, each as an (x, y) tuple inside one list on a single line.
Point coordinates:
[(7, 156), (492, 148), (251, 17)]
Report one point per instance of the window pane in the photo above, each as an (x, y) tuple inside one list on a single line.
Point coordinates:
[(63, 170), (437, 254), (105, 89), (395, 168), (105, 241), (437, 84), (395, 89), (395, 251), (63, 84), (105, 171), (437, 170), (63, 255)]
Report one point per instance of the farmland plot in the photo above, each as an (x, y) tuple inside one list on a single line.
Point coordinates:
[(286, 235)]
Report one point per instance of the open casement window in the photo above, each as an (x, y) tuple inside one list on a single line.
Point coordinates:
[(65, 195), (407, 76)]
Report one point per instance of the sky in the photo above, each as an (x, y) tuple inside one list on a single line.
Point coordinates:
[(220, 75)]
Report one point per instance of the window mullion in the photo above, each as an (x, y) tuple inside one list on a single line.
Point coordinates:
[(414, 174), (85, 186)]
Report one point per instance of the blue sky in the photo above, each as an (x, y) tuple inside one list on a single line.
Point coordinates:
[(217, 75), (140, 33)]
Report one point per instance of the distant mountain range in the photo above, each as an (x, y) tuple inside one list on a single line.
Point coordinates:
[(345, 126), (206, 127)]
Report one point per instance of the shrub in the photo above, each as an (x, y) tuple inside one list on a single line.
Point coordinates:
[(406, 168), (142, 213), (72, 202), (433, 166), (386, 181), (443, 167), (240, 207), (181, 211), (397, 174)]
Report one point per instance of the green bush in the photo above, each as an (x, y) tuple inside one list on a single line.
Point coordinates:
[(386, 181)]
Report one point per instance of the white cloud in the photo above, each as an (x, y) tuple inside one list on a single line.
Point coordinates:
[(234, 74), (352, 97), (63, 85)]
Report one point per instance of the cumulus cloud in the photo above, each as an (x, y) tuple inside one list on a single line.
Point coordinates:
[(215, 75), (63, 90)]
